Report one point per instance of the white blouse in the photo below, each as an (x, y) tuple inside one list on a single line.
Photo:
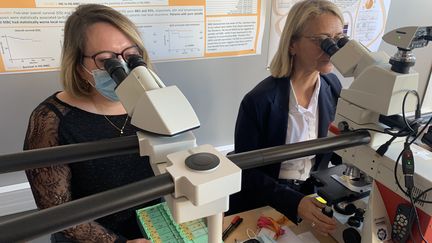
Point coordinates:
[(302, 126)]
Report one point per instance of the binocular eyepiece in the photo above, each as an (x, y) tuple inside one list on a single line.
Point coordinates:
[(330, 46), (115, 68), (135, 61)]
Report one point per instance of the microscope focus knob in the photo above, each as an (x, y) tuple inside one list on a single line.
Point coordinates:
[(343, 126), (351, 235), (354, 221), (345, 208), (328, 211), (360, 214)]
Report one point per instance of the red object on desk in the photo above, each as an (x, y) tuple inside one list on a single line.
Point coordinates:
[(271, 224)]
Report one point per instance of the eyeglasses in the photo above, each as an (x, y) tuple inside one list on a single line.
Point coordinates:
[(318, 39), (100, 57)]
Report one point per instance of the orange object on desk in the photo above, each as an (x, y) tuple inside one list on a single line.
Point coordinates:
[(271, 224)]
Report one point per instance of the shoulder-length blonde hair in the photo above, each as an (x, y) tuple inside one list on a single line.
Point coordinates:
[(300, 13), (75, 38)]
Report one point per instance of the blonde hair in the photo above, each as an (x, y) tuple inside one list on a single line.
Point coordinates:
[(75, 39), (300, 13)]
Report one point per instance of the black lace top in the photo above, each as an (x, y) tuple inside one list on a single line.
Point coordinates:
[(54, 123)]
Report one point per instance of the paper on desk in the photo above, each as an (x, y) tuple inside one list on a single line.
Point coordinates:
[(308, 237), (289, 236)]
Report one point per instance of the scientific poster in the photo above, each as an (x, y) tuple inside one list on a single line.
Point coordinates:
[(31, 31), (364, 21)]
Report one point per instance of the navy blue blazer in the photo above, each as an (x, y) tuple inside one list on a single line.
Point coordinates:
[(261, 123)]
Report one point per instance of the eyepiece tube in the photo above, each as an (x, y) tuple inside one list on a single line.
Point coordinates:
[(329, 46), (115, 69), (135, 61), (342, 41)]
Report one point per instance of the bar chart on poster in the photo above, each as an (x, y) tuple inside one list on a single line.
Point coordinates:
[(172, 30)]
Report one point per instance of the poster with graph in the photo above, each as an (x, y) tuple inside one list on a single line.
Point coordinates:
[(364, 21), (31, 31)]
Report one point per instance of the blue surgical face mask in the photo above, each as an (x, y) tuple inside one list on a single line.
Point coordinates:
[(265, 239), (104, 84)]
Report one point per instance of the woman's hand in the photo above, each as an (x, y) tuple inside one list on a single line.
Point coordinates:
[(140, 240), (309, 209)]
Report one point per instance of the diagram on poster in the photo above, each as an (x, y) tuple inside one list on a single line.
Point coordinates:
[(364, 21)]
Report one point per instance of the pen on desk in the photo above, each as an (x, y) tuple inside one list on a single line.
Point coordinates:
[(233, 221), (234, 224)]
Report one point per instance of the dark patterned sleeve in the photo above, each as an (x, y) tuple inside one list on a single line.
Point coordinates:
[(51, 185)]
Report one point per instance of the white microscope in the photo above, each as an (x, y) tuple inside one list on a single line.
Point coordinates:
[(203, 177), (378, 90)]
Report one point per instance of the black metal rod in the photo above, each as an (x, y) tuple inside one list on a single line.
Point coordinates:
[(281, 153), (44, 157), (54, 219), (101, 204)]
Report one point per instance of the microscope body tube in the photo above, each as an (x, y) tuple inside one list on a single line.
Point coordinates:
[(66, 215), (64, 154)]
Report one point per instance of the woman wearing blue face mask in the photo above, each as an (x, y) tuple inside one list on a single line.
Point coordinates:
[(88, 110)]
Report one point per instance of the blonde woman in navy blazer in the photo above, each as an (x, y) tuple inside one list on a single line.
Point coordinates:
[(301, 67)]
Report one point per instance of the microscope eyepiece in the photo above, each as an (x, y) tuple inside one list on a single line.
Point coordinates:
[(135, 61), (342, 41), (329, 46), (115, 69), (112, 64)]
